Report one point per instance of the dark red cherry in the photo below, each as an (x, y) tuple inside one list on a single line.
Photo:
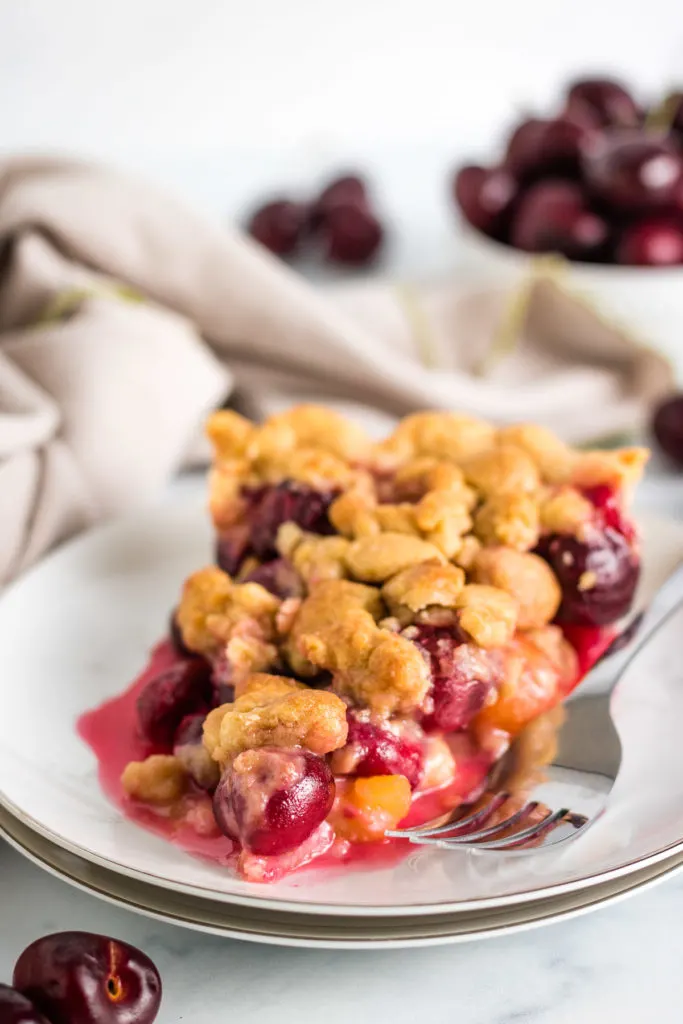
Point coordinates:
[(602, 103), (656, 241), (632, 172), (379, 749), (539, 148), (667, 426), (351, 234), (232, 547), (271, 799), (165, 700), (279, 226), (553, 216), (598, 578), (462, 677), (348, 190), (485, 196), (279, 577), (80, 978), (15, 1008), (287, 502)]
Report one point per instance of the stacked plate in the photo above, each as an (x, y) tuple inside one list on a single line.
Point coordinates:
[(77, 629)]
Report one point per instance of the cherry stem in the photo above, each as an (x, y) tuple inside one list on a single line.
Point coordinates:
[(419, 324)]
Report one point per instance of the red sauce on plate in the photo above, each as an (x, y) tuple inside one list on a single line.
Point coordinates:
[(111, 732)]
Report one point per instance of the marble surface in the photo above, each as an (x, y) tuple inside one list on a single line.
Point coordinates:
[(621, 963)]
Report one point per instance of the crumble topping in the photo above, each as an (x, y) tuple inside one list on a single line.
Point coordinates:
[(421, 588), (160, 780), (512, 519), (504, 469), (277, 712), (526, 578)]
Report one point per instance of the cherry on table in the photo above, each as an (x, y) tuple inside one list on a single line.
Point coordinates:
[(601, 103), (655, 241), (15, 1008), (667, 426), (272, 799), (81, 978), (279, 226), (635, 172), (553, 216), (485, 195), (540, 147)]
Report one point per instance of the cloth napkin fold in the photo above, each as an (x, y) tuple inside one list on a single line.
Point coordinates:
[(125, 318)]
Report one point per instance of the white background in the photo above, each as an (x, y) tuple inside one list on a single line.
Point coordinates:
[(225, 98)]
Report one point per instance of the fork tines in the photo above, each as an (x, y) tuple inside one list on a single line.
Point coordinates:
[(510, 831)]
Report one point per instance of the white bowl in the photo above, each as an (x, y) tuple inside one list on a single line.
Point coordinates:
[(647, 302)]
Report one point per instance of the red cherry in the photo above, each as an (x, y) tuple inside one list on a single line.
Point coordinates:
[(667, 426), (17, 1009), (462, 677), (632, 172), (553, 217), (279, 226), (271, 799), (541, 147), (181, 690), (79, 978), (279, 577), (653, 242), (351, 234), (348, 189), (608, 561), (603, 103), (374, 748), (485, 195)]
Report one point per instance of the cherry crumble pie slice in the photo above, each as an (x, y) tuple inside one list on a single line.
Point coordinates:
[(382, 621)]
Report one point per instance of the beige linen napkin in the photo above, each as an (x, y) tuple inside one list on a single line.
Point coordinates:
[(124, 318)]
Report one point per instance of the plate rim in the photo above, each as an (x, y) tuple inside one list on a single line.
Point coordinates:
[(189, 502), (573, 910)]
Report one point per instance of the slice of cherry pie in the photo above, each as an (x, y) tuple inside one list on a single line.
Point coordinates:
[(382, 621)]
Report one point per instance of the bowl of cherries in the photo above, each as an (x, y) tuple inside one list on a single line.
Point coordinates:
[(81, 978), (598, 184)]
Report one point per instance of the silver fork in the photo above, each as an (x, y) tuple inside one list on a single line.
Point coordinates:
[(588, 759)]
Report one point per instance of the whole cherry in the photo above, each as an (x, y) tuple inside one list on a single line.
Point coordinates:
[(633, 172), (279, 226), (15, 1008), (601, 103), (272, 799), (81, 978), (553, 217), (180, 690), (667, 427), (347, 190), (655, 241), (541, 147), (486, 196), (351, 234)]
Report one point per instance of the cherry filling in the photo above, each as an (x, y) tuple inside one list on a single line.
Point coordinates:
[(268, 507), (376, 749), (462, 677), (168, 698), (271, 799), (598, 576), (279, 577)]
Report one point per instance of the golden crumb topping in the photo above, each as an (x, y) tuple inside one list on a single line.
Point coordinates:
[(526, 578), (279, 712), (160, 779)]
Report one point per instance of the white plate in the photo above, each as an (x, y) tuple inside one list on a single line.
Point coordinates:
[(317, 931), (76, 630)]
